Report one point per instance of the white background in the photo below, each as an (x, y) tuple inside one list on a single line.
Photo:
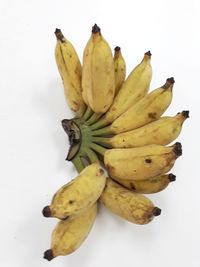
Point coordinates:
[(34, 146)]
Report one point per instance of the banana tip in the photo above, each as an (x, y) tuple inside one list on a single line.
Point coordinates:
[(172, 177), (96, 29), (46, 212), (117, 49), (185, 114), (177, 149), (48, 255), (169, 83), (59, 35), (156, 211), (148, 53)]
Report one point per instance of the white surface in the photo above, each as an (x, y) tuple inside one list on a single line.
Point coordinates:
[(33, 144)]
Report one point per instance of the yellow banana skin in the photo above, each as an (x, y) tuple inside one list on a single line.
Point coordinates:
[(148, 186), (70, 70), (141, 162), (131, 206), (77, 195), (120, 69), (134, 88), (70, 234), (98, 80), (148, 109), (161, 132)]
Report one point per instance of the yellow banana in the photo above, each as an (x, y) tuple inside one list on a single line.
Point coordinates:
[(127, 204), (120, 69), (161, 132), (70, 70), (141, 162), (70, 234), (77, 195), (148, 109), (98, 73), (148, 186)]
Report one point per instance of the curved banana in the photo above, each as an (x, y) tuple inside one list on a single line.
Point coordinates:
[(78, 194), (148, 186), (70, 234), (98, 73), (120, 69), (161, 132), (70, 70), (129, 205), (141, 162), (148, 109)]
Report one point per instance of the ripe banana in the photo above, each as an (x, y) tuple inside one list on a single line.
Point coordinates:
[(78, 194), (70, 234), (148, 109), (120, 69), (98, 73), (129, 205), (141, 162), (161, 132), (148, 186), (70, 70)]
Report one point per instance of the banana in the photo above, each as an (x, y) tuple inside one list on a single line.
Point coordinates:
[(141, 162), (70, 234), (148, 186), (148, 109), (129, 205), (70, 70), (120, 69), (160, 132), (98, 73), (78, 194)]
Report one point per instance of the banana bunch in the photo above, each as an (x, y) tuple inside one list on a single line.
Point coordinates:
[(118, 125)]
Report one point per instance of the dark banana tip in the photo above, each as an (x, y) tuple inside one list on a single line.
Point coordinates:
[(185, 113), (96, 29), (169, 82), (59, 35), (46, 212), (156, 211), (172, 177), (148, 53), (177, 149), (117, 49), (48, 255)]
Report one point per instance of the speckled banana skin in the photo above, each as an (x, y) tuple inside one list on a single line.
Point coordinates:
[(142, 162), (77, 195), (129, 205), (161, 132), (68, 235)]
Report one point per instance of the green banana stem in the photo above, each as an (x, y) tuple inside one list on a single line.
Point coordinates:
[(99, 149), (81, 111), (93, 118), (102, 131), (92, 156), (101, 140), (88, 113), (78, 163), (99, 124)]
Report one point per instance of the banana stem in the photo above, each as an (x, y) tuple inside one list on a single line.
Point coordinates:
[(93, 118), (101, 140), (88, 113), (92, 156), (102, 131), (99, 149), (78, 163), (99, 124), (81, 111)]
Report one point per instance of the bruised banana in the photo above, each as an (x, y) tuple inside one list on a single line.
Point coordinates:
[(78, 194), (120, 69), (161, 132), (148, 186), (98, 80), (141, 162), (148, 109), (70, 234), (129, 205), (70, 70)]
